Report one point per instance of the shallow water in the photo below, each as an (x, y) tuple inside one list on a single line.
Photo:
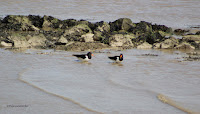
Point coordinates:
[(173, 13), (101, 85)]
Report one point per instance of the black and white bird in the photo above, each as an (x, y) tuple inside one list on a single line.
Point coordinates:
[(117, 58), (84, 57)]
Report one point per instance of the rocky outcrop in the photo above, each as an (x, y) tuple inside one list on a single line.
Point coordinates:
[(70, 34)]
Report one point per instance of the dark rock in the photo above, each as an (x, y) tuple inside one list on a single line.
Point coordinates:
[(141, 27), (50, 22), (151, 38), (163, 28), (121, 24), (198, 33), (37, 21), (180, 31)]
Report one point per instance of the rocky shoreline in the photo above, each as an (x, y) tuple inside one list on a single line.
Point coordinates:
[(47, 32)]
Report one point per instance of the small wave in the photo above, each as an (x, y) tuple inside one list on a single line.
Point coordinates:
[(65, 98), (173, 103)]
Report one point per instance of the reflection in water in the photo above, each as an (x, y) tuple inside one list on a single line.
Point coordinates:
[(117, 63)]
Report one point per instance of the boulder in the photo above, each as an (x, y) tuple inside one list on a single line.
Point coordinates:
[(180, 31), (37, 40), (142, 27), (6, 44), (119, 40), (74, 33), (167, 44), (144, 45), (121, 24), (197, 33), (87, 37), (185, 45), (163, 28), (62, 40), (50, 23), (19, 41), (101, 30)]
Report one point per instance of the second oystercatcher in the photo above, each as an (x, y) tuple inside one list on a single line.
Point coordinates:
[(117, 58), (84, 57)]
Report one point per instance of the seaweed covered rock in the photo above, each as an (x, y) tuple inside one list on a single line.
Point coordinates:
[(180, 31), (141, 28), (121, 24), (163, 28), (101, 31), (74, 33), (50, 23), (17, 23), (197, 33), (150, 37)]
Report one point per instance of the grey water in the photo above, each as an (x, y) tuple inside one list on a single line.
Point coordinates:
[(99, 86)]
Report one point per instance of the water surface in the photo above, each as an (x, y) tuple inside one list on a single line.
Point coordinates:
[(103, 86)]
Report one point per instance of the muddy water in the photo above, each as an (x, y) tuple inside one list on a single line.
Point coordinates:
[(173, 13), (57, 82)]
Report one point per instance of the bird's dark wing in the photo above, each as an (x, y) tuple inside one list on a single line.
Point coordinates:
[(80, 56), (113, 58)]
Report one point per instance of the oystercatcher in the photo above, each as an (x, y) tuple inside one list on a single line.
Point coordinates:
[(117, 58), (84, 57)]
